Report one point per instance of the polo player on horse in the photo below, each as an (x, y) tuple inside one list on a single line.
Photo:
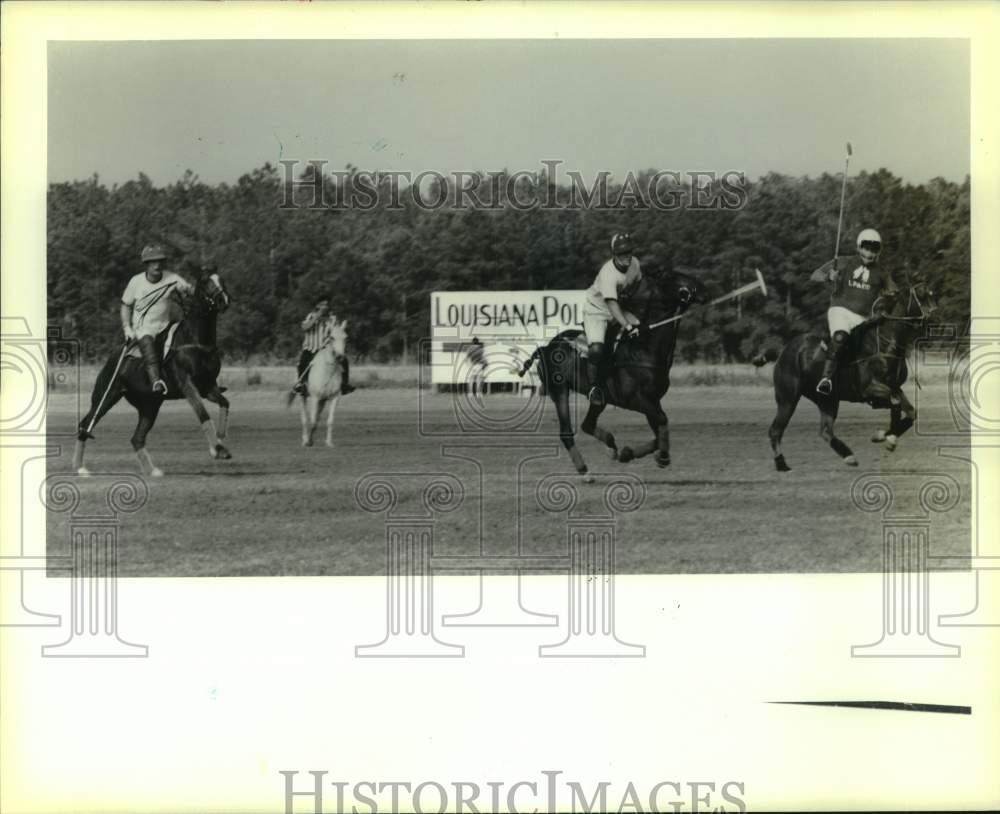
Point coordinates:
[(857, 283), (617, 278), (149, 304)]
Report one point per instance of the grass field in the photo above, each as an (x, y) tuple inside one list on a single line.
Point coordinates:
[(279, 509)]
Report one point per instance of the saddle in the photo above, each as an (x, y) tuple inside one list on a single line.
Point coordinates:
[(625, 354), (164, 344), (859, 367)]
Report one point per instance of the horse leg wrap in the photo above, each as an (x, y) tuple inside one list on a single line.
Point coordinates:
[(208, 428), (147, 465), (840, 447)]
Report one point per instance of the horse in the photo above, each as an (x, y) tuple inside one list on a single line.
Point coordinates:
[(190, 369), (323, 384), (872, 371), (638, 376)]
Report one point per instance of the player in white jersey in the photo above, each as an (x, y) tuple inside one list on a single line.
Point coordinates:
[(150, 303), (317, 329), (617, 277)]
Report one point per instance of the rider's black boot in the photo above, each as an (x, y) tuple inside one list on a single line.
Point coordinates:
[(833, 352), (147, 346)]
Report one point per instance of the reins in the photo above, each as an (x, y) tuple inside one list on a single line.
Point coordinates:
[(894, 349)]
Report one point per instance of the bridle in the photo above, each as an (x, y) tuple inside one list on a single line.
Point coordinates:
[(915, 320), (212, 293), (682, 297), (913, 298)]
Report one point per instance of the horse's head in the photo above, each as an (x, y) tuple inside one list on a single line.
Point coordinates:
[(687, 289), (210, 292), (338, 338), (671, 293), (916, 300)]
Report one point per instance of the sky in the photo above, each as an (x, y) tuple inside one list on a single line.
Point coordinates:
[(223, 108)]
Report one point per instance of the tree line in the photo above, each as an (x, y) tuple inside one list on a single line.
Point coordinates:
[(379, 264)]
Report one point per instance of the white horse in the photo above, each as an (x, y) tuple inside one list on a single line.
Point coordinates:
[(323, 382)]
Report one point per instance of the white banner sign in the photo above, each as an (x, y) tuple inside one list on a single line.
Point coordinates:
[(508, 325)]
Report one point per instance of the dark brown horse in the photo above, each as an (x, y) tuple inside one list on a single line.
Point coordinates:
[(872, 371), (638, 378), (190, 370)]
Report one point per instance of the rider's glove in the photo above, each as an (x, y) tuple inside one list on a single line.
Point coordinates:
[(129, 333), (630, 331)]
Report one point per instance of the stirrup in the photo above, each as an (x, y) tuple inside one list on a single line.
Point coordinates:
[(160, 386), (825, 386), (596, 396), (299, 389)]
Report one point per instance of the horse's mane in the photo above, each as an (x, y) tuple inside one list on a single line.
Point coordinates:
[(338, 345)]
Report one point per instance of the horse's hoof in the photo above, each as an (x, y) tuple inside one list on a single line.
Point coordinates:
[(612, 453), (781, 465), (891, 441), (222, 453), (850, 460), (587, 477), (83, 472), (625, 454), (330, 444), (878, 436), (663, 462), (156, 473)]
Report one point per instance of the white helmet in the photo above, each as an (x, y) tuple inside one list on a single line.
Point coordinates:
[(869, 245)]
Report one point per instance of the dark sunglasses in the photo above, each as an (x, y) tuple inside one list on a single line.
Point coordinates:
[(871, 245)]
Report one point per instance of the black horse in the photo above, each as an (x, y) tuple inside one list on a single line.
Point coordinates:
[(872, 371), (190, 370), (638, 377)]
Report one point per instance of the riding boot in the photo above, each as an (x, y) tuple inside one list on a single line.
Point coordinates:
[(595, 369), (345, 385), (147, 346), (300, 385), (837, 341)]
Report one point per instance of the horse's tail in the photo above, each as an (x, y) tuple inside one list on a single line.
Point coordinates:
[(531, 360), (761, 359)]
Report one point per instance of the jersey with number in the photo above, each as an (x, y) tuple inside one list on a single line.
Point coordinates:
[(155, 305), (612, 284), (316, 331)]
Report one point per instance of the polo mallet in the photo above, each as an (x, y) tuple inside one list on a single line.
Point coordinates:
[(100, 404), (840, 217), (756, 285)]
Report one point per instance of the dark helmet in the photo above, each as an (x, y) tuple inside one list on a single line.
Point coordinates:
[(621, 243)]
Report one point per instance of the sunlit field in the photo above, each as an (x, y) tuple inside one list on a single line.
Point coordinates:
[(277, 508)]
